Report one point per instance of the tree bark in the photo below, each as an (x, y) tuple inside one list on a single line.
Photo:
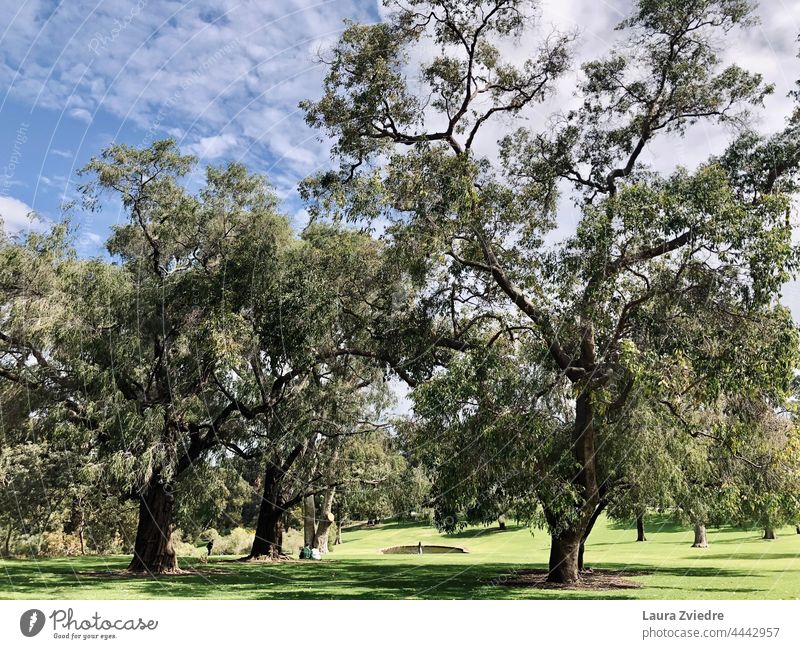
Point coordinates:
[(700, 537), (309, 521), (338, 540), (563, 565), (566, 548), (152, 550), (769, 534), (581, 550), (326, 519), (640, 537), (11, 529), (268, 540)]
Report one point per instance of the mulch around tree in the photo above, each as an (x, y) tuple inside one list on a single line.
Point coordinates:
[(590, 580), (183, 572)]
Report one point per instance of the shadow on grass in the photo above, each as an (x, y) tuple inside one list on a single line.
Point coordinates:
[(751, 556), (330, 579)]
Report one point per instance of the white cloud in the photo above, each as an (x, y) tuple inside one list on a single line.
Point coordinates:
[(81, 114), (187, 69), (90, 242), (15, 216), (61, 153), (215, 146)]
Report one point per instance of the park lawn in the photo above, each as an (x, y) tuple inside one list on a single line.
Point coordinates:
[(738, 565)]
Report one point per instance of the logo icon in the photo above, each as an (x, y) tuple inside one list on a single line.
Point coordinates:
[(31, 622)]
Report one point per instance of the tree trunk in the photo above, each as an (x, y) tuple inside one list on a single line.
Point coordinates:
[(326, 519), (563, 565), (567, 548), (309, 521), (769, 534), (797, 528), (152, 551), (268, 540), (338, 540), (11, 529), (599, 510), (700, 538), (640, 537)]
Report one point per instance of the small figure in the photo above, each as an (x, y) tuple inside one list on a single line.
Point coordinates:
[(419, 548), (209, 547)]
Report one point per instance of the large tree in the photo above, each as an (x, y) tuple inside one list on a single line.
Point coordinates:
[(667, 284)]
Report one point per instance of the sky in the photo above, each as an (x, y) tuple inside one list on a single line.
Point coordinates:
[(224, 78)]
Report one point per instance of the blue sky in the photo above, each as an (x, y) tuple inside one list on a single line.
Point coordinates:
[(224, 79)]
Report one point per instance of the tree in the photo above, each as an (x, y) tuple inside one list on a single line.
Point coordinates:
[(312, 348), (136, 352), (652, 250)]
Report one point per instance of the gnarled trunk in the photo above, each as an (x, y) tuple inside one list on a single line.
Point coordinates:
[(769, 534), (700, 537), (640, 537), (326, 519), (152, 551), (268, 540)]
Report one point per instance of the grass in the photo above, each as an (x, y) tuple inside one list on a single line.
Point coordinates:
[(738, 565)]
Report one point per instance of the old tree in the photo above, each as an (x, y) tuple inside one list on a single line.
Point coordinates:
[(663, 297)]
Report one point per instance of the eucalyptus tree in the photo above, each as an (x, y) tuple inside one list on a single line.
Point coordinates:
[(312, 329), (765, 490), (138, 352), (669, 273)]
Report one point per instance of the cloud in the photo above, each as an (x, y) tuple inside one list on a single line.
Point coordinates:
[(215, 146), (192, 70), (62, 153), (15, 216), (90, 243), (81, 114)]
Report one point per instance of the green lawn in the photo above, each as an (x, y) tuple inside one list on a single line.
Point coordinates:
[(738, 565)]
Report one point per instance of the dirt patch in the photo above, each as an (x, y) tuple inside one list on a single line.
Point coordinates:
[(124, 574), (284, 558), (594, 580)]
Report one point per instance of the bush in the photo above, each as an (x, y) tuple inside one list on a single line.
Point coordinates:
[(59, 544), (292, 541), (47, 544), (183, 549), (237, 542)]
